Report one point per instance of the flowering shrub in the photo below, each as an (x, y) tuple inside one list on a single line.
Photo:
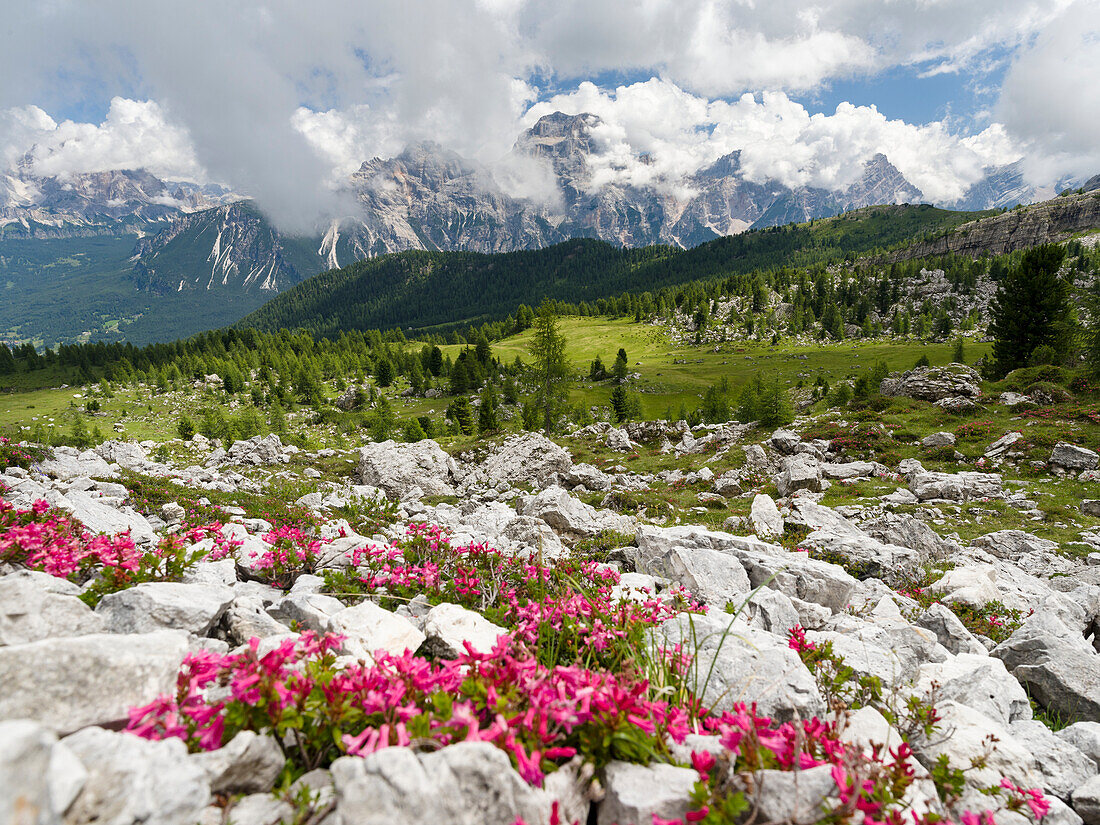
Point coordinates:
[(50, 541), (291, 553), (538, 715), (564, 611), (53, 542), (875, 784), (976, 429), (20, 455)]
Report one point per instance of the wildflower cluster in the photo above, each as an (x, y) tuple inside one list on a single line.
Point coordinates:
[(871, 784), (20, 455), (565, 611), (540, 716), (51, 541), (290, 553)]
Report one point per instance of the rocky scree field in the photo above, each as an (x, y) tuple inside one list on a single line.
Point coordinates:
[(875, 615)]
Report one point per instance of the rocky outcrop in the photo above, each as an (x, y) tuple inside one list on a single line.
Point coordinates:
[(934, 383), (1052, 220)]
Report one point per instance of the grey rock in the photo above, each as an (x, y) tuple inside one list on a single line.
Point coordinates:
[(399, 469), (1072, 457), (1014, 399), (368, 628), (39, 777), (246, 618), (934, 383), (965, 486), (528, 459), (950, 632), (100, 517), (800, 472), (636, 793), (1085, 736), (1061, 766), (68, 683), (785, 441), (134, 781), (126, 454), (68, 463), (957, 404), (312, 611), (1091, 507), (893, 653), (980, 682), (714, 578), (1058, 668), (573, 517), (471, 783), (619, 441), (795, 797), (591, 478), (32, 608), (907, 531), (248, 763), (450, 627), (261, 809), (940, 439), (764, 517), (744, 665), (1012, 544), (1086, 801), (258, 450), (152, 606), (729, 484), (848, 469)]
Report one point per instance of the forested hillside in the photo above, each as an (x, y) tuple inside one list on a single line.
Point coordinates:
[(425, 290)]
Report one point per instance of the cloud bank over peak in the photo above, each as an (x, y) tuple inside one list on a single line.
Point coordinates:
[(282, 101)]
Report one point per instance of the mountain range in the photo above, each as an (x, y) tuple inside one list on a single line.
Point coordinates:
[(110, 249)]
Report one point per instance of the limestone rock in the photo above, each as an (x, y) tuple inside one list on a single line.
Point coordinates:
[(934, 383), (135, 781), (368, 628), (526, 460), (1059, 669), (152, 606), (39, 777), (744, 665), (573, 517), (764, 517), (800, 472), (68, 683), (470, 783), (966, 486), (399, 469), (35, 606), (248, 763), (450, 627), (637, 793), (940, 439), (1071, 457)]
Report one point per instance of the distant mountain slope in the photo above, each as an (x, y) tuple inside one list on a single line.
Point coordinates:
[(231, 246), (418, 290), (1025, 226)]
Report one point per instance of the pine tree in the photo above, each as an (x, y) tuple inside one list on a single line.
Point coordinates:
[(383, 372), (1031, 309), (186, 427), (551, 369), (619, 404), (460, 413), (487, 421)]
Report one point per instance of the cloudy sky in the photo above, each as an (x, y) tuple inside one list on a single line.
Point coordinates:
[(282, 99)]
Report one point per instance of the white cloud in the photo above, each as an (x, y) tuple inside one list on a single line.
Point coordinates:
[(134, 135), (1051, 96), (778, 138), (274, 97)]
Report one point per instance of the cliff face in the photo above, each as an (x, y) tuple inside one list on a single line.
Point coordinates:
[(1053, 220)]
